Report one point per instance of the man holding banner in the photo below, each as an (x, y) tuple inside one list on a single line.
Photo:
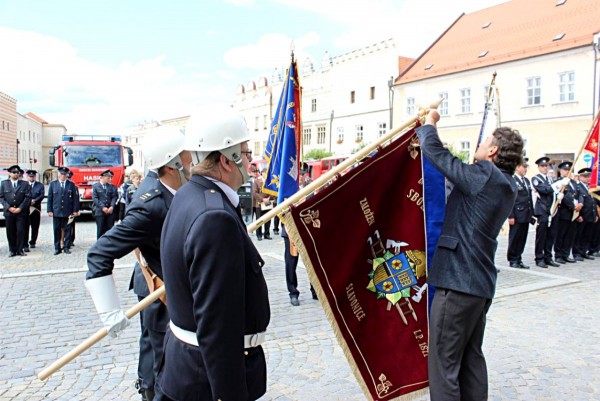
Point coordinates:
[(463, 269)]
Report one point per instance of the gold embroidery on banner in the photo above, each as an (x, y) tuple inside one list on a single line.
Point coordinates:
[(413, 148), (384, 385), (311, 217)]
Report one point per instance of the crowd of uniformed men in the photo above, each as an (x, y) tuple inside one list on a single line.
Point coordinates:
[(205, 274), (562, 209)]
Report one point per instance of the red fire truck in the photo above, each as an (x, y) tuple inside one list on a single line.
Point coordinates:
[(89, 155)]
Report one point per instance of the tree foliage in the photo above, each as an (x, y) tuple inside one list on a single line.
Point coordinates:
[(317, 154)]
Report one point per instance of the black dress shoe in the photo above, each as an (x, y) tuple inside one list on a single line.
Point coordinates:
[(259, 238), (67, 251), (12, 254), (26, 250), (515, 265), (570, 260), (560, 260), (21, 253), (596, 254), (523, 265), (268, 237), (32, 246), (56, 252), (578, 259), (294, 301), (588, 257), (314, 296), (541, 264)]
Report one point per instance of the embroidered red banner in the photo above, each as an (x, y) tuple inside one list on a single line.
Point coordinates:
[(363, 241)]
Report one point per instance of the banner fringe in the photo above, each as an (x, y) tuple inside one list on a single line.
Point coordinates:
[(294, 237)]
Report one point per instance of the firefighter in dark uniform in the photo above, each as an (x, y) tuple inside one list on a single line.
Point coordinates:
[(62, 205), (216, 292), (543, 204), (520, 218), (571, 202), (141, 228), (15, 196), (35, 212), (105, 197), (588, 216), (72, 224)]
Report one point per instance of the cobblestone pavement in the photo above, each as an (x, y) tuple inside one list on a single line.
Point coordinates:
[(540, 343)]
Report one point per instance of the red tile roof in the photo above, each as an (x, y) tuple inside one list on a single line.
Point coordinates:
[(36, 118), (518, 29)]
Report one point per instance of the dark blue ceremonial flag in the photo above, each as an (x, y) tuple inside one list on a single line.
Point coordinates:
[(283, 146)]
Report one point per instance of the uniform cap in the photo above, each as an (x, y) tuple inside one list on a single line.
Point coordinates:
[(542, 160), (63, 170), (585, 171), (13, 169), (31, 173), (565, 166), (106, 173)]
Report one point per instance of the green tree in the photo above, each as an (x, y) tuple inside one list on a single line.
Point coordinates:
[(317, 154), (462, 155)]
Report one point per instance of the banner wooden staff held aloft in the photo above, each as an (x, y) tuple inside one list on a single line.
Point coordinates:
[(363, 240)]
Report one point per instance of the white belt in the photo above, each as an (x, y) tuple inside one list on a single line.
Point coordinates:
[(189, 337)]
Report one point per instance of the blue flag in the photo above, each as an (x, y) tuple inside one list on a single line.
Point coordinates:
[(283, 145)]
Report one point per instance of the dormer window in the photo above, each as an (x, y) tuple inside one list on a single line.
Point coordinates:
[(428, 66), (486, 25), (558, 37), (560, 2), (483, 53)]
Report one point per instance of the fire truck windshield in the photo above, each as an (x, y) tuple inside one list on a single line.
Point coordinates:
[(92, 155)]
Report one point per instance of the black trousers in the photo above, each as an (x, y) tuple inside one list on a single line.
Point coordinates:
[(104, 223), (543, 238), (595, 241), (16, 225), (583, 238), (259, 231), (151, 351), (34, 226), (59, 224), (291, 262), (564, 238), (517, 237), (457, 368)]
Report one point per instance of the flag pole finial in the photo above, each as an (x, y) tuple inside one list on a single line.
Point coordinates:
[(292, 48)]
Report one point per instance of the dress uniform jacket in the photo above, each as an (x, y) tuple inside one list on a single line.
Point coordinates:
[(19, 197), (62, 204), (589, 212), (543, 204), (37, 194), (141, 228), (104, 197), (215, 289), (480, 202), (567, 205), (523, 208)]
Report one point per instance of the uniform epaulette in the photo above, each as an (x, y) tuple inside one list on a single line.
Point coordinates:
[(153, 193), (214, 200)]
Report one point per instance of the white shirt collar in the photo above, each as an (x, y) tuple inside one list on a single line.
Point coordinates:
[(171, 190), (233, 197)]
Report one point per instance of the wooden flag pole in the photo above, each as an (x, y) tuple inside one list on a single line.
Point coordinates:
[(99, 335), (322, 180), (134, 310)]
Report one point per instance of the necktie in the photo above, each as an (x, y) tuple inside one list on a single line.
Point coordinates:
[(15, 185), (62, 185), (104, 187)]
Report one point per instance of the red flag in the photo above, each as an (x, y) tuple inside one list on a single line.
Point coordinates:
[(591, 146), (363, 241)]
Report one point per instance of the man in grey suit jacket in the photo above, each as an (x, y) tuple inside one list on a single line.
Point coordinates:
[(463, 270)]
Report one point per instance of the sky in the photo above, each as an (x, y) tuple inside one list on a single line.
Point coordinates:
[(103, 67)]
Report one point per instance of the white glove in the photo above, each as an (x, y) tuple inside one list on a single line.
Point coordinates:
[(559, 196), (106, 300), (560, 184)]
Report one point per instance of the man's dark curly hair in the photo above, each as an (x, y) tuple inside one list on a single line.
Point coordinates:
[(510, 149)]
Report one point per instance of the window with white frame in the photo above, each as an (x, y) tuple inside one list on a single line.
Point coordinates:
[(410, 106), (307, 136), (265, 122), (321, 135), (313, 105), (566, 86), (524, 147), (352, 96), (359, 133), (340, 132), (486, 95), (465, 148), (465, 100), (381, 129), (443, 110), (256, 123), (534, 91)]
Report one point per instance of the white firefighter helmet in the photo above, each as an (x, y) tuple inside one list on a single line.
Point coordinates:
[(223, 131), (162, 146)]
